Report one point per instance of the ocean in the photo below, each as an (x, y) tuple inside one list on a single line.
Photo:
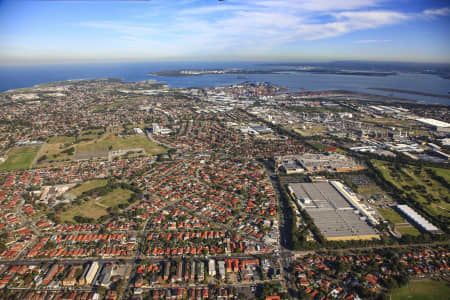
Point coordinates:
[(27, 76)]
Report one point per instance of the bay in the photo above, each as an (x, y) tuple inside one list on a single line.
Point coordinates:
[(13, 77)]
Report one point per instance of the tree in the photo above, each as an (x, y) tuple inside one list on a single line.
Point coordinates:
[(389, 283), (120, 286)]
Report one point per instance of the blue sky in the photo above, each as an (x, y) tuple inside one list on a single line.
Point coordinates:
[(207, 30)]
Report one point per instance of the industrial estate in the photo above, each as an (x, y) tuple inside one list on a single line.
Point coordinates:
[(136, 190)]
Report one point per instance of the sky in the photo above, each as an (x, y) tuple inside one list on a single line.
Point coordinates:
[(60, 31)]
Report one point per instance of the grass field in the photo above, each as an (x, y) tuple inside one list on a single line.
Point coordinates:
[(410, 230), (96, 208), (311, 131), (400, 224), (445, 173), (20, 158), (128, 100), (86, 186), (416, 183), (54, 151), (113, 142), (371, 191), (56, 148), (92, 142), (92, 133), (319, 146), (116, 197), (390, 122), (391, 215), (61, 140), (422, 290)]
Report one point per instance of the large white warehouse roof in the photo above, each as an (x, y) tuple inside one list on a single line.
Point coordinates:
[(418, 219), (433, 122)]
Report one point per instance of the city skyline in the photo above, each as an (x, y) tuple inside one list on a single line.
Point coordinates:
[(276, 30)]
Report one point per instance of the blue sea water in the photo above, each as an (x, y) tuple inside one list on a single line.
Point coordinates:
[(12, 77)]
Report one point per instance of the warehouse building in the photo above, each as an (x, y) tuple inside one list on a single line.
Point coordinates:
[(417, 219), (337, 216), (311, 162), (435, 124)]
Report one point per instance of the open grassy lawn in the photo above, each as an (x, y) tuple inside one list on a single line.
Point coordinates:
[(390, 122), (108, 141), (61, 139), (319, 146), (409, 230), (311, 131), (83, 136), (55, 151), (59, 147), (91, 133), (422, 290), (400, 224), (94, 142), (391, 215), (96, 208), (128, 100), (371, 191), (445, 173), (20, 158), (118, 196), (417, 183), (86, 186), (88, 209)]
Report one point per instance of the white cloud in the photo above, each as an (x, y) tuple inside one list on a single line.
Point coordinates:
[(264, 24), (212, 9), (375, 17), (121, 27), (347, 22), (372, 41), (246, 21), (444, 11), (315, 5), (205, 28)]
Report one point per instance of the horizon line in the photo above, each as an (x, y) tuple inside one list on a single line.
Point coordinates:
[(281, 61)]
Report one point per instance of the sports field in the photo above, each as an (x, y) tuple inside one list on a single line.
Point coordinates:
[(20, 158), (422, 290)]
